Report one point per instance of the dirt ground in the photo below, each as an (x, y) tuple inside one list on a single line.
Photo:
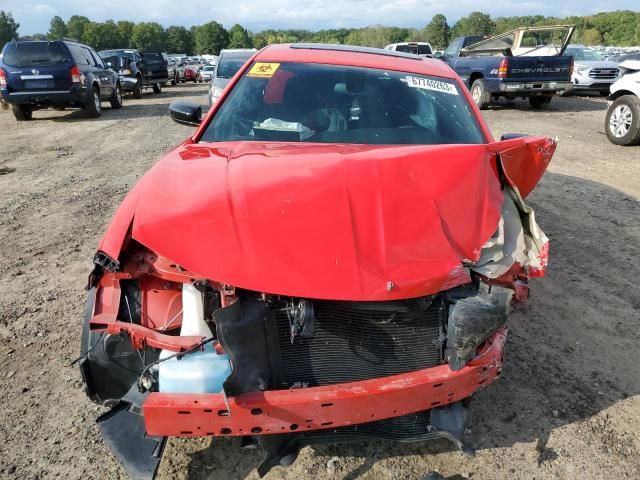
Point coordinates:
[(567, 406)]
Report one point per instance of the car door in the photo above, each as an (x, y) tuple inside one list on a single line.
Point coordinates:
[(105, 75)]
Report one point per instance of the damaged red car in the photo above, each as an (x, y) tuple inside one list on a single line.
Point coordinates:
[(330, 257)]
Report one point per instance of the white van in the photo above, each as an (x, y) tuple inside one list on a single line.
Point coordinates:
[(417, 48)]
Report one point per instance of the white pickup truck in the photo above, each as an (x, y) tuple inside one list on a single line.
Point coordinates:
[(622, 123)]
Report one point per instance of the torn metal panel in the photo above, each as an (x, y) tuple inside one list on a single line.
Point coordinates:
[(517, 240)]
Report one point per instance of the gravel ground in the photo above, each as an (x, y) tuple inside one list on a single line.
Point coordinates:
[(567, 405)]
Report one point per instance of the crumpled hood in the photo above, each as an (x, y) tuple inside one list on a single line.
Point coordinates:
[(347, 222)]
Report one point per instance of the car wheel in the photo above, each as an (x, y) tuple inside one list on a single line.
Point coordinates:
[(93, 106), (157, 88), (622, 122), (116, 97), (480, 94), (174, 80), (137, 90), (539, 102), (22, 113)]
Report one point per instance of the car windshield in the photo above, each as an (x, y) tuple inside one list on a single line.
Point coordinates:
[(229, 66), (29, 54), (415, 48), (337, 104), (583, 54)]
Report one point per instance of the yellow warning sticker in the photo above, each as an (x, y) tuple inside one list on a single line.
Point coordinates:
[(263, 70)]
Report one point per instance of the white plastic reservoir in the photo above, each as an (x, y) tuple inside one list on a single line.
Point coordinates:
[(198, 372)]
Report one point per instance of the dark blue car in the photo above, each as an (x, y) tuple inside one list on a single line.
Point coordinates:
[(59, 74)]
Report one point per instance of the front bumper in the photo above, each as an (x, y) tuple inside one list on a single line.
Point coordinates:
[(593, 86), (534, 88), (128, 84), (319, 408)]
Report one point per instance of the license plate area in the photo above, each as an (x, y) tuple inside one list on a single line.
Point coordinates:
[(38, 84)]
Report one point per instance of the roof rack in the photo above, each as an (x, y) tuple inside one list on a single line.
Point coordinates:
[(355, 49)]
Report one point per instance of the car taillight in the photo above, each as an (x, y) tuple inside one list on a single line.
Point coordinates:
[(571, 65), (75, 74), (3, 79), (503, 68)]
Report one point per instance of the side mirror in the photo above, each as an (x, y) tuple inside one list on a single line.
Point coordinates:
[(186, 113), (511, 136)]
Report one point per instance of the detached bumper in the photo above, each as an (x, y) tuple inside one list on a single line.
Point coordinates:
[(318, 408), (534, 88)]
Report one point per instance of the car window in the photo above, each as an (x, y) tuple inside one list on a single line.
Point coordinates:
[(338, 104), (28, 54), (583, 54), (453, 48), (416, 49), (153, 58), (229, 66), (97, 61)]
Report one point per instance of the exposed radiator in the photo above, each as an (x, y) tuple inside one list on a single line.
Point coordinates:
[(361, 340)]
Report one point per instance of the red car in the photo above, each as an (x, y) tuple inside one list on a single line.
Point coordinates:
[(331, 256)]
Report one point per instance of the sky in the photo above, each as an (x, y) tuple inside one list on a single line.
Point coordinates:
[(256, 15)]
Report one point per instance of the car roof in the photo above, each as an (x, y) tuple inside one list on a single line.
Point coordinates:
[(355, 56)]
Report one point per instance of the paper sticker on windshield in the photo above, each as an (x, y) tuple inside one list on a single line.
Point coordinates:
[(428, 84), (263, 70)]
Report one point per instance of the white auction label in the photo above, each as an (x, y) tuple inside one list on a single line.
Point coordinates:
[(428, 84)]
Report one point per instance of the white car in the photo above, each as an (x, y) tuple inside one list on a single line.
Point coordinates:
[(622, 123), (206, 72), (591, 72), (417, 48)]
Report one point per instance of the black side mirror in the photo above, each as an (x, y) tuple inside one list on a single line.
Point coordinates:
[(186, 113), (511, 136)]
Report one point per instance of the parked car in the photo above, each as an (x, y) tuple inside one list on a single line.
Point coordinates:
[(591, 72), (59, 74), (331, 256), (622, 122), (140, 69), (526, 62), (190, 74), (417, 48), (229, 62), (206, 73)]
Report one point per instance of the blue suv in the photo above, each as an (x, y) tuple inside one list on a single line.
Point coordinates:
[(58, 74)]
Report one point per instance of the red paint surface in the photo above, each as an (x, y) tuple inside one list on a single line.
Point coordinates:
[(317, 408)]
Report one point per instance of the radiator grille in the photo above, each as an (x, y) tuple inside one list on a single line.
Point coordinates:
[(604, 73), (356, 341)]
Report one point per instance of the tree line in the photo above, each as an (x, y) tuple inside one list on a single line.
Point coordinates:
[(618, 28)]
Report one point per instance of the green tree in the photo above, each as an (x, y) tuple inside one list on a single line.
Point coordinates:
[(438, 32), (477, 23), (57, 29), (125, 32), (101, 36), (148, 36), (210, 38), (239, 37), (8, 27), (75, 27), (591, 36), (178, 40)]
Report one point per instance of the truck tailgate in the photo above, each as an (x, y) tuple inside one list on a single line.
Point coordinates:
[(543, 68)]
